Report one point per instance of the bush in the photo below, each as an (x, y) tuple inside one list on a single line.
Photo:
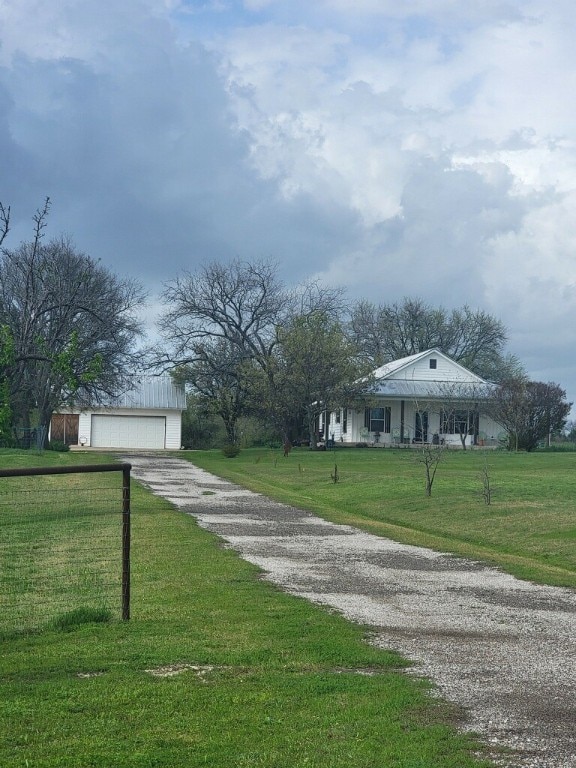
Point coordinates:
[(200, 429), (58, 445), (361, 445), (231, 450)]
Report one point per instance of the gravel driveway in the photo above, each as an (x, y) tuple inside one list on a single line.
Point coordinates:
[(502, 648)]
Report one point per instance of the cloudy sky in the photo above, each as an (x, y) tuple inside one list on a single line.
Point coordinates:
[(417, 148)]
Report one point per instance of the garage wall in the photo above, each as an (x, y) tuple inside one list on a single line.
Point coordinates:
[(173, 430)]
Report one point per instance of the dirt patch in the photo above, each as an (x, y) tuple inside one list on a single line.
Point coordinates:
[(172, 670)]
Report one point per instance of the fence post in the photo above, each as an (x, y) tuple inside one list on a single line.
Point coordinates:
[(126, 541)]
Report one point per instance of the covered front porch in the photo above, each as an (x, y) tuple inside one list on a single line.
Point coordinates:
[(396, 423)]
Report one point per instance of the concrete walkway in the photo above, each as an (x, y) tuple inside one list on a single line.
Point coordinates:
[(503, 648)]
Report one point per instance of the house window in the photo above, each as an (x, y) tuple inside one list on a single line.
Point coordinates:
[(338, 416), (345, 420), (378, 419), (433, 362), (456, 422)]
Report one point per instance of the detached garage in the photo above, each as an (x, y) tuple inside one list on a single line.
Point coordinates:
[(148, 417)]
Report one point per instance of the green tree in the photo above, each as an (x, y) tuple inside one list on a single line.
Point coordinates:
[(317, 369), (72, 322), (530, 411), (200, 427)]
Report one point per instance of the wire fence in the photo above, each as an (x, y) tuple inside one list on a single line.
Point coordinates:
[(64, 543), (24, 437)]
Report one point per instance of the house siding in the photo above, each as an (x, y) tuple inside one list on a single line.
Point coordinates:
[(423, 372), (446, 370), (85, 427)]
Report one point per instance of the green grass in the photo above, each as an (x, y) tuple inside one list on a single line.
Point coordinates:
[(60, 544), (264, 678), (529, 529)]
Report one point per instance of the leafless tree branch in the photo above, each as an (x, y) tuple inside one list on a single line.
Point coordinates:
[(4, 222)]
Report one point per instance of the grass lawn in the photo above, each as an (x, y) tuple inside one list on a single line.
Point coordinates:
[(529, 529), (216, 667), (60, 544)]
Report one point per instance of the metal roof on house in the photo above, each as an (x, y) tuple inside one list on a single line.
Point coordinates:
[(420, 389), (395, 365), (152, 392)]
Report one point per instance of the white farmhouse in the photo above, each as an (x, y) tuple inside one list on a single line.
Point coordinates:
[(423, 398)]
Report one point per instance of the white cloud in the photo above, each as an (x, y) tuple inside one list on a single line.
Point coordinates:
[(69, 29), (425, 147)]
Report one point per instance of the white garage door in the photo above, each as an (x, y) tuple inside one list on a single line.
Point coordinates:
[(128, 431)]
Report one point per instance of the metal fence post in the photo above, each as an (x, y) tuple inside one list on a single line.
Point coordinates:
[(126, 541)]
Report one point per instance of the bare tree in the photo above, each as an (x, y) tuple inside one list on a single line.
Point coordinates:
[(240, 303), (474, 338), (4, 221), (487, 489), (430, 457), (239, 307), (220, 381), (460, 406), (6, 366)]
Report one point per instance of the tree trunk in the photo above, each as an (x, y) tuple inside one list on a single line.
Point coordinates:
[(312, 430), (231, 433), (45, 416)]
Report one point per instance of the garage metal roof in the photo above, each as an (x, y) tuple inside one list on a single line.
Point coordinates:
[(152, 392)]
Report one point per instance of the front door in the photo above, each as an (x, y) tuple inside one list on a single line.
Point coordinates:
[(421, 427)]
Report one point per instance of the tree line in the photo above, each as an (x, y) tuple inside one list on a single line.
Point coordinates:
[(243, 342)]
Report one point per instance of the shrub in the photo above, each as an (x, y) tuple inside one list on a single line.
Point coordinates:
[(231, 450), (58, 445)]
